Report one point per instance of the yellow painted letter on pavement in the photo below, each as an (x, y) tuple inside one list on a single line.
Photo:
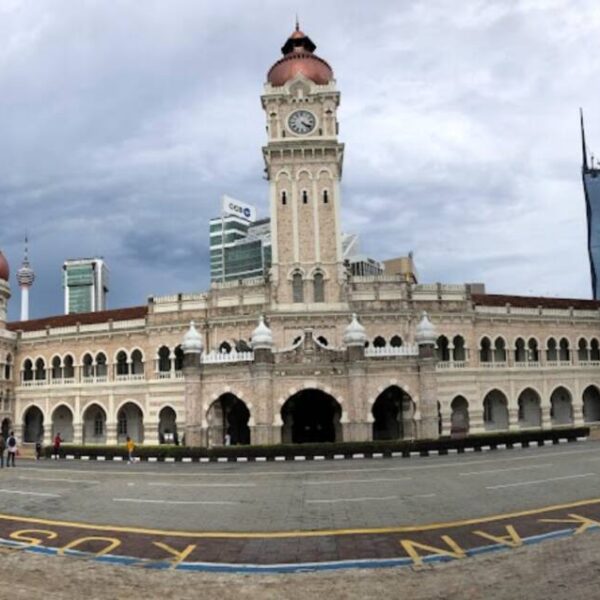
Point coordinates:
[(112, 543), (179, 556), (410, 547), (584, 522), (30, 536), (512, 540)]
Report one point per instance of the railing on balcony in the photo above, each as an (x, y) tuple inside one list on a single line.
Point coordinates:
[(456, 364), (408, 350), (227, 357), (130, 377)]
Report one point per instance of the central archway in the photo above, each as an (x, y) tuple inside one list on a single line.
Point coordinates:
[(311, 416), (393, 412), (33, 425), (228, 415)]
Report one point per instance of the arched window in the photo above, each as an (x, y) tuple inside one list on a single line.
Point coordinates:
[(325, 197), (101, 369), (40, 369), (225, 348), (533, 352), (564, 353), (297, 288), (304, 197), (499, 350), (122, 366), (68, 367), (396, 341), (27, 370), (164, 359), (137, 363), (322, 340), (7, 367), (443, 350), (459, 353), (122, 423), (551, 351), (485, 351), (284, 197), (319, 288), (178, 358), (520, 354), (379, 342), (582, 350), (88, 368), (56, 370), (594, 350)]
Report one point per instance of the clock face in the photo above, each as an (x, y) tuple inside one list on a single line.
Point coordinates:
[(302, 122)]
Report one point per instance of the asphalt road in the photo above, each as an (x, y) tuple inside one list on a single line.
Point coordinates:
[(289, 496)]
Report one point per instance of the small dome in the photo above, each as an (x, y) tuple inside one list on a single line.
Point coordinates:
[(192, 341), (4, 268), (355, 334), (298, 59), (262, 336), (426, 332)]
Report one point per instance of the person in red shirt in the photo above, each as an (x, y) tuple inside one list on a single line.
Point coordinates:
[(57, 443)]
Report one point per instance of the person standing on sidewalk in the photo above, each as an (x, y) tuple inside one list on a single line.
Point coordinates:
[(130, 449), (56, 449), (2, 449), (12, 449)]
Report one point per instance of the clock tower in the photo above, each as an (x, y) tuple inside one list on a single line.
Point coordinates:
[(303, 161)]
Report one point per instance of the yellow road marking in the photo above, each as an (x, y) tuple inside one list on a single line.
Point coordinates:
[(299, 533)]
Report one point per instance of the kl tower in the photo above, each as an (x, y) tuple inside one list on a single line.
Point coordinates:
[(25, 278)]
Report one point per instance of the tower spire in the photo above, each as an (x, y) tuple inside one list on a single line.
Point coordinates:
[(25, 277), (583, 146), (297, 23)]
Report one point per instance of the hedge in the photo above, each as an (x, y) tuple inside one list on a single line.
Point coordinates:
[(328, 450)]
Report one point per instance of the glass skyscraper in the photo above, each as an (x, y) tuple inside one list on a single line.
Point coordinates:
[(591, 186), (85, 282)]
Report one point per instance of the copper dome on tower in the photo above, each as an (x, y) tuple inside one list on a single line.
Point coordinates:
[(298, 59), (4, 268)]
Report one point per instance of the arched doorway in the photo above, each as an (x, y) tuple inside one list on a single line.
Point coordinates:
[(130, 423), (561, 406), (167, 426), (33, 425), (459, 419), (6, 426), (62, 422), (311, 416), (495, 410), (94, 425), (228, 415), (591, 404), (530, 411), (393, 412)]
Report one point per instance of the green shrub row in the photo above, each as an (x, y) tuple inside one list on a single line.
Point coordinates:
[(289, 451)]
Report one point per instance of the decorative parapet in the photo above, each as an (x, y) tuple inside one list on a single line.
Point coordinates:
[(565, 313), (408, 350), (215, 358)]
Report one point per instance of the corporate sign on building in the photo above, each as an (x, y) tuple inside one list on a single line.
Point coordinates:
[(231, 206)]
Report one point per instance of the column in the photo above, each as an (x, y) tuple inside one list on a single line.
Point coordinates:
[(111, 433), (78, 433), (476, 424), (513, 418)]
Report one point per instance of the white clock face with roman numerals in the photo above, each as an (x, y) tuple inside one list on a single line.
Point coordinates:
[(302, 122)]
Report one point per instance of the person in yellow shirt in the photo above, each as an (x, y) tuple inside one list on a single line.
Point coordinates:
[(130, 448)]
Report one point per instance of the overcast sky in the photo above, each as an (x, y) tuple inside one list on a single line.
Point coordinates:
[(123, 122)]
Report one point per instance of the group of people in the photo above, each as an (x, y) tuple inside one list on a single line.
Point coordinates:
[(8, 446)]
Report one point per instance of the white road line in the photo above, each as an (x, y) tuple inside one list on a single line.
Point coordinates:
[(143, 501), (505, 470), (203, 485), (21, 493), (337, 500), (373, 480), (507, 485), (59, 479)]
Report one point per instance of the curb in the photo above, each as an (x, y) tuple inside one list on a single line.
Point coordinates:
[(350, 456)]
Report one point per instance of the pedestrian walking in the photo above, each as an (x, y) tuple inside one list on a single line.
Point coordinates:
[(56, 448), (12, 449), (130, 449), (2, 449), (38, 450), (227, 439)]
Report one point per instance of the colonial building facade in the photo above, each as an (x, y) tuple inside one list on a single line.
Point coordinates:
[(282, 358)]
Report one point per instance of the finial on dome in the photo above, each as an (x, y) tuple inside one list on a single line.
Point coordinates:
[(262, 336), (426, 332), (297, 23), (355, 334), (192, 341)]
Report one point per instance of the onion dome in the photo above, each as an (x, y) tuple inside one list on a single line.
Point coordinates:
[(4, 268), (192, 341), (25, 275), (262, 336), (298, 59), (426, 332), (355, 334)]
